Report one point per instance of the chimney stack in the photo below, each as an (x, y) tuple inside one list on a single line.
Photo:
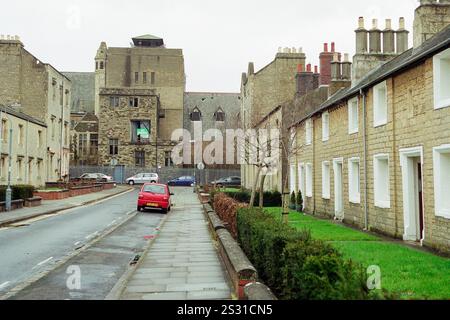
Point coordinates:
[(305, 80), (361, 37), (316, 78), (336, 73), (375, 38), (388, 38), (251, 68), (431, 17), (346, 68), (402, 37), (325, 65)]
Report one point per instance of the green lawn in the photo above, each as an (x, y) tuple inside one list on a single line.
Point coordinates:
[(230, 190), (413, 274)]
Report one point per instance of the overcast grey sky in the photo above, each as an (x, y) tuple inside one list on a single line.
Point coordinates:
[(219, 37)]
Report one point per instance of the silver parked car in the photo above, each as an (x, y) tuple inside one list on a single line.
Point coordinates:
[(142, 178), (97, 176)]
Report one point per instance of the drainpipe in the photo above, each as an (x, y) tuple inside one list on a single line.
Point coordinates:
[(366, 205), (27, 162)]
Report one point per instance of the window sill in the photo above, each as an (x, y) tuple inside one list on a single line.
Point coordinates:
[(442, 104), (326, 139), (327, 197), (309, 196), (353, 132), (383, 204), (443, 213), (355, 201), (379, 124)]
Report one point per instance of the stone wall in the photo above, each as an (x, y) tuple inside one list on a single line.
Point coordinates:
[(115, 123)]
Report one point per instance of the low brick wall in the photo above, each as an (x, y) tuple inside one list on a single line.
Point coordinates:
[(15, 204), (33, 202), (53, 195)]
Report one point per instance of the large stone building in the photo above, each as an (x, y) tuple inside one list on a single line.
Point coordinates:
[(377, 154), (40, 91), (84, 139), (28, 148), (139, 101), (210, 113)]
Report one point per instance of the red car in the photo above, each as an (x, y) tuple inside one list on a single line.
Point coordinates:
[(154, 196)]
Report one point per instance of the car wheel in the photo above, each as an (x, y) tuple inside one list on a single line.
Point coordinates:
[(153, 182), (131, 183), (169, 209), (219, 186), (164, 211), (139, 209)]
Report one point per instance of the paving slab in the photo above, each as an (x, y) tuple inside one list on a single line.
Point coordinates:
[(182, 262)]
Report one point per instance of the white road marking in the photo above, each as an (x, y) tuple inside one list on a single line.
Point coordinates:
[(77, 243), (44, 262), (92, 235), (4, 285)]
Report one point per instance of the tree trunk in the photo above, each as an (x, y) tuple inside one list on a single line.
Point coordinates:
[(255, 184), (286, 195), (261, 191)]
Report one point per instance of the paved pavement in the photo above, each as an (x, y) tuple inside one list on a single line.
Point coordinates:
[(35, 246), (182, 263), (48, 207)]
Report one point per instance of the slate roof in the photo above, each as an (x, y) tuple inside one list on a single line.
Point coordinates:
[(406, 60), (147, 37), (20, 115)]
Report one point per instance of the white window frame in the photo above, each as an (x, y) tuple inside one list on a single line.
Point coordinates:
[(293, 178), (354, 195), (441, 210), (441, 67), (380, 120), (325, 126), (308, 133), (378, 189), (352, 105), (326, 180), (301, 178), (309, 180)]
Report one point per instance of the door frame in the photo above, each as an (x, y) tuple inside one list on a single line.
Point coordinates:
[(338, 215), (410, 196)]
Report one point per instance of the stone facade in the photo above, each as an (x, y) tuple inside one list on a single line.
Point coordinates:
[(116, 122), (40, 91), (28, 165), (145, 67), (383, 175)]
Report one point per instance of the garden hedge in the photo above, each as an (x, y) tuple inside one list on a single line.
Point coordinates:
[(295, 266), (271, 199), (18, 192)]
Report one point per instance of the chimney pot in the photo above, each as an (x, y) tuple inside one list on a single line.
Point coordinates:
[(316, 69), (388, 24), (346, 57), (401, 23), (308, 68), (375, 24), (299, 68), (325, 47), (333, 47), (361, 24)]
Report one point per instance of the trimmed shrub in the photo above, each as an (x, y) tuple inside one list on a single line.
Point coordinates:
[(299, 202), (295, 266), (226, 208), (271, 199), (18, 192)]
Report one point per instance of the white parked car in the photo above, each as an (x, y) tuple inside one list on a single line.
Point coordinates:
[(97, 176), (142, 178)]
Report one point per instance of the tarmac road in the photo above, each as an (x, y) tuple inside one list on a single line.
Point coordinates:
[(36, 246)]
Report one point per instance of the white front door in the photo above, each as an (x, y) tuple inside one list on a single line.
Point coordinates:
[(411, 163), (338, 189)]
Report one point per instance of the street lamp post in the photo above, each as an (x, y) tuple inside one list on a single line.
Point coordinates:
[(8, 190)]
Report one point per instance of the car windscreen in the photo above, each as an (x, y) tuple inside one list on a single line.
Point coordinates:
[(155, 189)]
